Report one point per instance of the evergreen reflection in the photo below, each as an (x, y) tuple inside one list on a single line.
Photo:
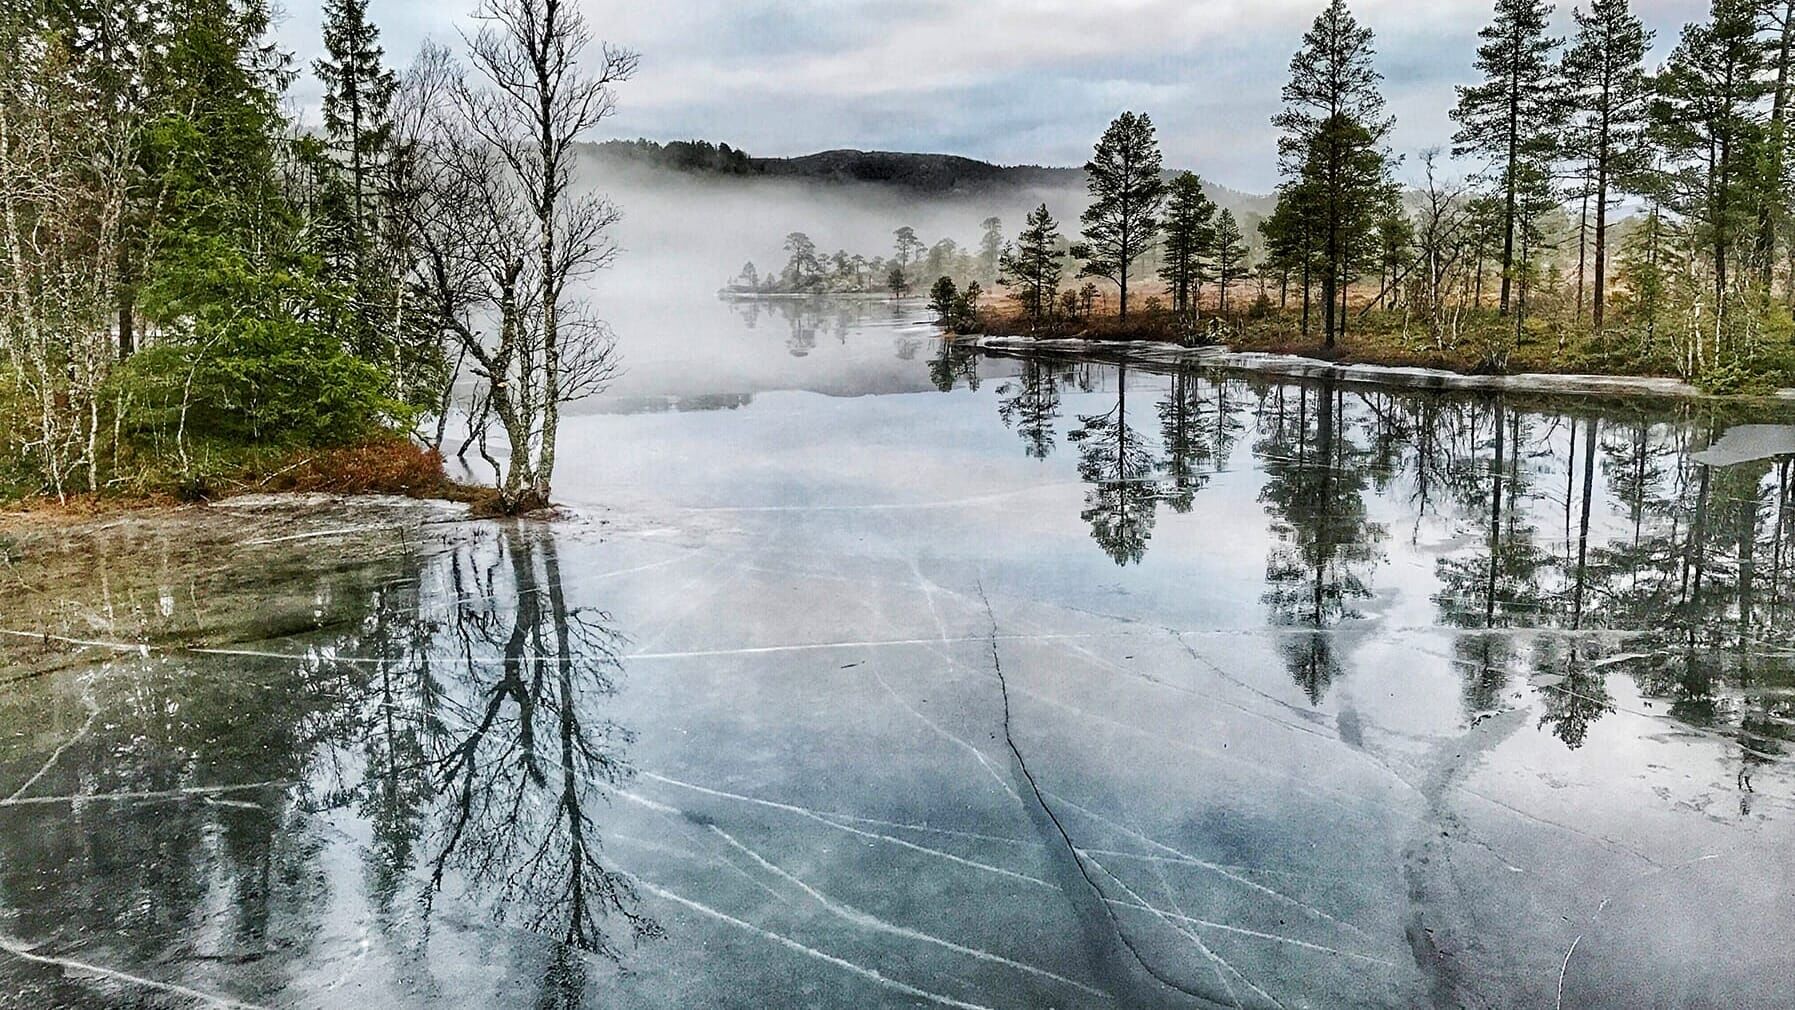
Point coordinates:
[(1568, 542), (1323, 547), (1030, 403), (1118, 464)]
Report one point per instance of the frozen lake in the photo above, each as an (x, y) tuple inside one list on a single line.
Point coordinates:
[(866, 673)]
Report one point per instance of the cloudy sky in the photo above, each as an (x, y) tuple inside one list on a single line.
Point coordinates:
[(1011, 81)]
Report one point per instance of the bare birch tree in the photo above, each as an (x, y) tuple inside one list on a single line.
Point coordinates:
[(531, 98)]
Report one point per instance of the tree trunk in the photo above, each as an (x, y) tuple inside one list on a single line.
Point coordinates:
[(1600, 293)]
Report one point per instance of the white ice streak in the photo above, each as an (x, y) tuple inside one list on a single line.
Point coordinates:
[(21, 950), (868, 921), (55, 756), (115, 797), (877, 643), (830, 821), (1216, 868), (787, 942)]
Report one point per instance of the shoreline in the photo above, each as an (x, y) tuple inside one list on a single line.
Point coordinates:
[(385, 466), (1161, 353), (726, 295)]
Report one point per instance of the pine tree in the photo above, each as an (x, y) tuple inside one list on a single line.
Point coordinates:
[(1515, 115), (1707, 119), (1611, 94), (906, 248), (1032, 269), (990, 248), (1229, 255), (1650, 257), (1395, 239), (1773, 212), (1127, 191), (1286, 245), (1333, 147), (944, 295), (1189, 221)]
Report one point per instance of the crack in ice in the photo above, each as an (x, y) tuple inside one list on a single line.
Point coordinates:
[(21, 950), (787, 942), (872, 922)]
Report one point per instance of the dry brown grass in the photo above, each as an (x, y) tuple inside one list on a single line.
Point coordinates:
[(390, 464)]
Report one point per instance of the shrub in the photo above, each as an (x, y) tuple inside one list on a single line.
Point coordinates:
[(266, 382)]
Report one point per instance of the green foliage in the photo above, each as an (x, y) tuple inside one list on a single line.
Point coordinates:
[(943, 296), (232, 248), (1332, 154), (1188, 239), (261, 382), (1513, 117), (1127, 190), (966, 308), (1032, 269), (1229, 255)]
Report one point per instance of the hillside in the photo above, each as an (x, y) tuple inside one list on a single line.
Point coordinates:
[(924, 174)]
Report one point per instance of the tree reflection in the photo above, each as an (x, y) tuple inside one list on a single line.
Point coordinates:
[(1118, 464), (515, 758), (1198, 429), (808, 319), (952, 364), (1030, 403), (1323, 545), (1693, 561), (455, 705), (1574, 694), (1498, 583)]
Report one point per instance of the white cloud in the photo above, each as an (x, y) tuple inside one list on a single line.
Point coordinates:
[(1011, 80)]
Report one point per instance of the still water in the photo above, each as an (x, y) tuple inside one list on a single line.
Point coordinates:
[(906, 677)]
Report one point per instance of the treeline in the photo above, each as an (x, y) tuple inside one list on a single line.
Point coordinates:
[(1524, 259), (681, 155), (194, 285), (911, 266)]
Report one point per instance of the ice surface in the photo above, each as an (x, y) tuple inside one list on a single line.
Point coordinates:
[(1085, 687)]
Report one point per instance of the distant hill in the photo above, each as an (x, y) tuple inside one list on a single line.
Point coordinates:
[(928, 174)]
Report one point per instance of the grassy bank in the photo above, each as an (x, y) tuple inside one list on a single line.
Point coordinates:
[(1482, 343), (384, 464)]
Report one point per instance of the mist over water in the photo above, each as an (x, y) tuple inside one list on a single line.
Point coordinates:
[(683, 236)]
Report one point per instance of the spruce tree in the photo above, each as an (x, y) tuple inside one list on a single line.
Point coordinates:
[(1127, 191), (1514, 117), (1229, 255), (358, 95), (1031, 270), (1605, 68), (1774, 212), (1189, 221)]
